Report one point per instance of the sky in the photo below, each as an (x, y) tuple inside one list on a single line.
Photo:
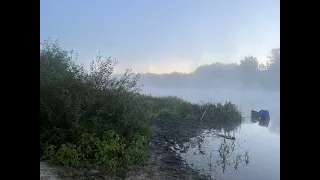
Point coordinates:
[(162, 36)]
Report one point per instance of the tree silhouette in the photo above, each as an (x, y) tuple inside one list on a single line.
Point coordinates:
[(248, 73)]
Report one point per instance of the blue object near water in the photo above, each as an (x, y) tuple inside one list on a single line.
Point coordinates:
[(264, 114)]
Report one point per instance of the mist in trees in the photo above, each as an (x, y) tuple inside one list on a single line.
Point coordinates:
[(249, 73)]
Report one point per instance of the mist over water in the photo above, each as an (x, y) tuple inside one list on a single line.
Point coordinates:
[(261, 143), (206, 51)]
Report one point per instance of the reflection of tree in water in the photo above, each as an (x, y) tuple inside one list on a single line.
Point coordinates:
[(227, 153)]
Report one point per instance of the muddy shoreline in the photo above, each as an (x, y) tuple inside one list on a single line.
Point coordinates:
[(164, 163), (161, 163)]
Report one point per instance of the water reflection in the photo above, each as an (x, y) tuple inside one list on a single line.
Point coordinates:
[(262, 140), (214, 153), (216, 150), (233, 151), (274, 127), (272, 124)]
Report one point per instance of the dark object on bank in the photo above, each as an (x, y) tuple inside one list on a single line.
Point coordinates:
[(263, 117)]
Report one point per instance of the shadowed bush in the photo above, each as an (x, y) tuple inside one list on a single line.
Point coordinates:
[(79, 109)]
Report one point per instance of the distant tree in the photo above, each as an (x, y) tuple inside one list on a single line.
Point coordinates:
[(262, 67), (274, 59), (247, 72), (272, 77), (249, 63), (249, 69)]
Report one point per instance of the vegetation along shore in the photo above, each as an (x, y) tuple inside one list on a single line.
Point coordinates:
[(98, 125)]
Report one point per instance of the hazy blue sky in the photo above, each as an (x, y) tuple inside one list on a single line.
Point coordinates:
[(163, 35)]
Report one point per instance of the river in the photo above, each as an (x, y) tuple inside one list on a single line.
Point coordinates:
[(255, 154)]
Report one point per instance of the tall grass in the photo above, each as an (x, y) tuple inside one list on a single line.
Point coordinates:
[(179, 120)]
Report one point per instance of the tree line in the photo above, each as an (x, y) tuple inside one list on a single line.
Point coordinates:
[(249, 73)]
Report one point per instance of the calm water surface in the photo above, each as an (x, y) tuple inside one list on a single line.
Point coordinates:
[(255, 154)]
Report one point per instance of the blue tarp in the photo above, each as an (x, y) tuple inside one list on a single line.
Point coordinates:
[(264, 115)]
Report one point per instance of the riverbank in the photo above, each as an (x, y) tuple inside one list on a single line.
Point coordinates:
[(174, 122), (95, 120), (161, 163)]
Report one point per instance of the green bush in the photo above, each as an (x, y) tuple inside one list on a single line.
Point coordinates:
[(89, 118), (136, 151), (68, 154), (109, 153)]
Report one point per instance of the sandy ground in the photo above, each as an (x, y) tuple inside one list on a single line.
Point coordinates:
[(48, 173)]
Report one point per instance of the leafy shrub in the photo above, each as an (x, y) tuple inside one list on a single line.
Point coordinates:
[(89, 118), (136, 151), (67, 154), (109, 153)]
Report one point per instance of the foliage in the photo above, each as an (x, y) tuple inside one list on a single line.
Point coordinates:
[(110, 153), (180, 120), (94, 119), (89, 118)]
